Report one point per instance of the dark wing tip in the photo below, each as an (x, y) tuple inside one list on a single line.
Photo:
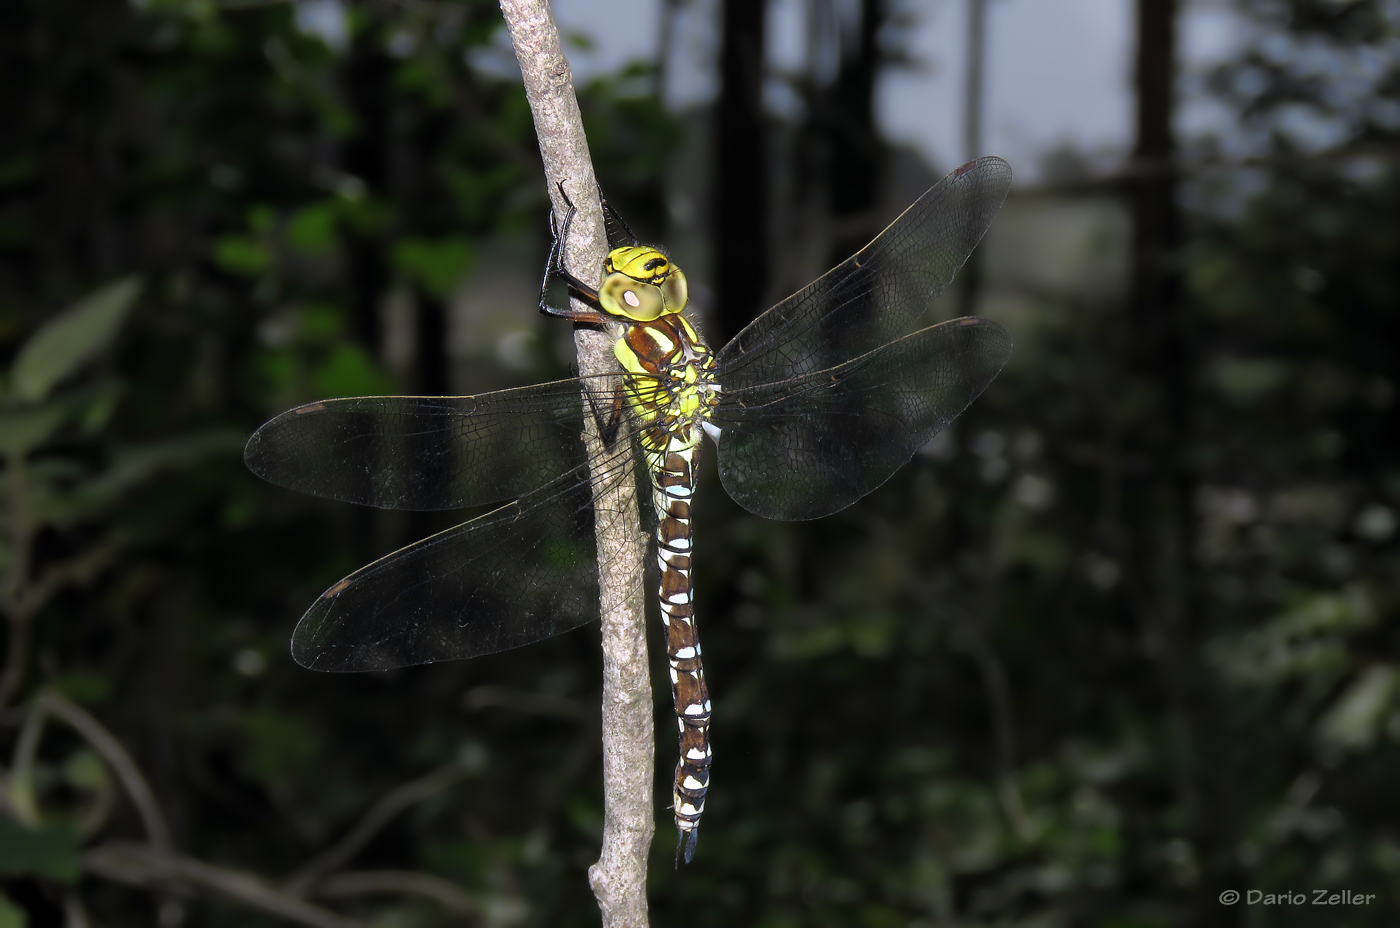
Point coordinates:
[(263, 444), (993, 339), (252, 453), (987, 163)]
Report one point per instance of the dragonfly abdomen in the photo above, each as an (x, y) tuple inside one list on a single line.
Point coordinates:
[(673, 486), (670, 383)]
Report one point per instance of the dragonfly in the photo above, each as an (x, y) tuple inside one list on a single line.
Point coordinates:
[(814, 404)]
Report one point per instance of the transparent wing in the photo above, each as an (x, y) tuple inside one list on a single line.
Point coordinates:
[(522, 573), (876, 295), (813, 445), (426, 452)]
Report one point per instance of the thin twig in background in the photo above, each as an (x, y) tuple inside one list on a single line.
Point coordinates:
[(401, 882), (139, 865), (111, 750), (619, 877), (157, 864), (74, 914), (341, 853), (543, 704), (15, 600), (970, 634)]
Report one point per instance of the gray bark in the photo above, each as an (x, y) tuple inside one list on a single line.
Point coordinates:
[(629, 739)]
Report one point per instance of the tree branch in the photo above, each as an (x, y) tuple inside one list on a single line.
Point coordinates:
[(139, 865), (17, 577), (401, 882), (619, 877), (106, 744)]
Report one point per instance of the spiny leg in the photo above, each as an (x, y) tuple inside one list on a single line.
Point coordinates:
[(609, 423), (554, 267), (616, 217)]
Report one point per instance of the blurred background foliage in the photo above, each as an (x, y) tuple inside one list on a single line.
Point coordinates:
[(1121, 640)]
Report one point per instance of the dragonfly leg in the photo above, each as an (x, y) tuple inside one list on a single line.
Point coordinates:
[(555, 267), (614, 217), (554, 248), (609, 424)]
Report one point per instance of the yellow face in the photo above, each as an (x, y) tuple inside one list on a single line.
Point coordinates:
[(641, 284)]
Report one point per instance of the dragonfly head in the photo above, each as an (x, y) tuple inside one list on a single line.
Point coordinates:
[(641, 284)]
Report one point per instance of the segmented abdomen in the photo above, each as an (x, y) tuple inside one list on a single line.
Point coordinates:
[(673, 486), (670, 384)]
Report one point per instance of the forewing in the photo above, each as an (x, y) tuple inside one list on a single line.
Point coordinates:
[(425, 452), (520, 574), (876, 295), (811, 446)]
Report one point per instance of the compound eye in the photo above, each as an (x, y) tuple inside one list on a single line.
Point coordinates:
[(675, 290), (620, 295)]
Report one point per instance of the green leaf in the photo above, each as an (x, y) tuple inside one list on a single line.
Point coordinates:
[(242, 255), (350, 372), (85, 770), (65, 343), (278, 746), (134, 466), (18, 170), (49, 850), (24, 429), (312, 229), (1247, 381), (96, 410), (436, 265), (11, 916), (83, 687)]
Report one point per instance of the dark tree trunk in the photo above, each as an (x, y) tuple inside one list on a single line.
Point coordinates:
[(368, 73), (1159, 534), (850, 115), (1154, 349), (741, 169), (367, 76), (971, 276), (838, 149), (431, 376)]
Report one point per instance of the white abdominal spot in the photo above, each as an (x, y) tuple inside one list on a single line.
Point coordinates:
[(684, 653)]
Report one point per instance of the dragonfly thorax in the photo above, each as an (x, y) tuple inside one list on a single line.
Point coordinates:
[(670, 374), (641, 284)]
